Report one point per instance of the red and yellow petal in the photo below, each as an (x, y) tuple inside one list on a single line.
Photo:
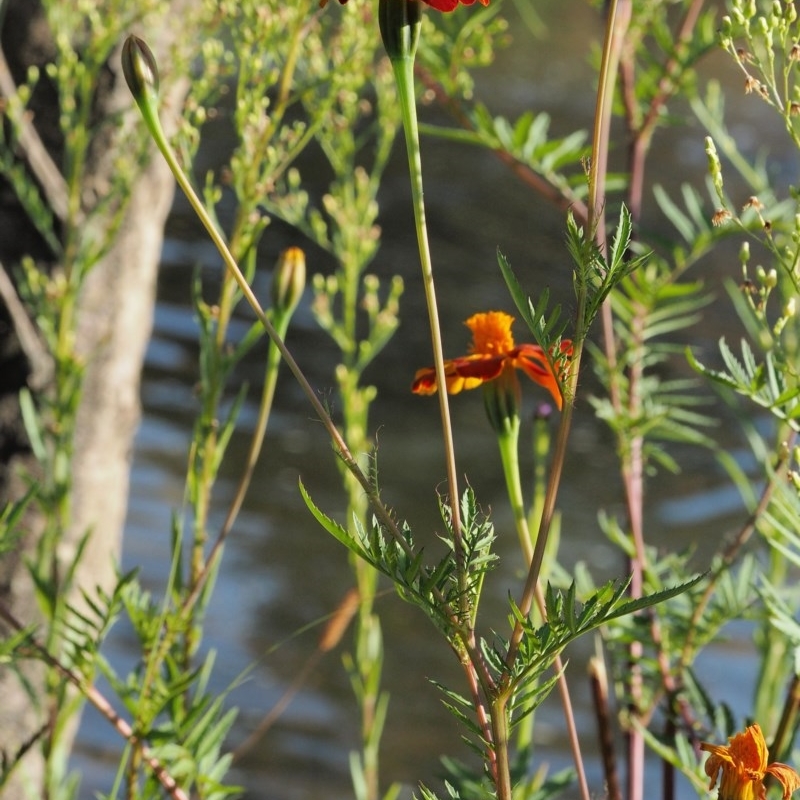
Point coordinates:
[(467, 372), (530, 358), (451, 5), (442, 5)]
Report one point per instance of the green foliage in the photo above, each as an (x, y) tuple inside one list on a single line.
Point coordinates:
[(11, 519), (84, 627), (649, 307), (763, 383), (762, 39), (449, 591), (569, 618), (545, 322), (452, 46), (308, 88)]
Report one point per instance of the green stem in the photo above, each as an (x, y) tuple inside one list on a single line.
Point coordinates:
[(508, 440), (404, 78), (502, 767), (617, 24)]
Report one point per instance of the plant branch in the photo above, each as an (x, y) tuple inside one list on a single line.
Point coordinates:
[(54, 186), (96, 699)]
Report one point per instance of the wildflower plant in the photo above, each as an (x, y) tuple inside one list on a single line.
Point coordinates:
[(304, 79)]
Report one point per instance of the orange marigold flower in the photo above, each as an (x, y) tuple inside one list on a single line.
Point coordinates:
[(439, 5), (744, 767), (492, 353)]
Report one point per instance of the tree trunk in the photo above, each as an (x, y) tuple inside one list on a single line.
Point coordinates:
[(115, 319)]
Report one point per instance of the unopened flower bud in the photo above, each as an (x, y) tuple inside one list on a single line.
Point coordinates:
[(715, 168), (744, 252), (289, 280), (139, 67), (400, 22)]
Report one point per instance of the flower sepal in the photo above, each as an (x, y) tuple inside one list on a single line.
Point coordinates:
[(501, 399)]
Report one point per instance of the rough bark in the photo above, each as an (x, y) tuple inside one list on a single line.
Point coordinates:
[(115, 320)]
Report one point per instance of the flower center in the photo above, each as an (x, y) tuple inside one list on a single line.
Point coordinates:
[(491, 333)]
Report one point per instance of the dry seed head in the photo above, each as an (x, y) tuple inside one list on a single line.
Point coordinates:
[(721, 217)]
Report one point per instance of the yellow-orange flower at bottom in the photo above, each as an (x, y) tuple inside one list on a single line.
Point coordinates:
[(492, 353), (744, 767)]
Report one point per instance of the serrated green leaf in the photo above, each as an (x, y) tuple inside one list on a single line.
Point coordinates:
[(337, 531)]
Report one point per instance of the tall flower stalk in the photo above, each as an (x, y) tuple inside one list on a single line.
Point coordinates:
[(400, 24)]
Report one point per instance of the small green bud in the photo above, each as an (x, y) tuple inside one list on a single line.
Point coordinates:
[(715, 168), (400, 22), (744, 253), (289, 280), (139, 67)]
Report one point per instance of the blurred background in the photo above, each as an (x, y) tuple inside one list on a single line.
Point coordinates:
[(282, 575)]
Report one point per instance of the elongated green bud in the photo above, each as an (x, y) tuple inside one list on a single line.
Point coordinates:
[(400, 22), (289, 280), (715, 168), (140, 69)]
